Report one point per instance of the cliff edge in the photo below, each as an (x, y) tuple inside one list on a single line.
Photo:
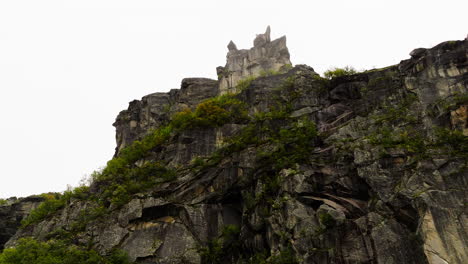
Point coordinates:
[(283, 167)]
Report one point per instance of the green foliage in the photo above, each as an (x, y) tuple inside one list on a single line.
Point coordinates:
[(269, 73), (29, 251), (380, 81), (326, 219), (212, 253), (213, 112), (122, 178), (397, 112), (292, 145), (338, 72), (136, 151), (447, 142), (86, 216), (285, 256), (460, 98), (3, 201), (409, 137), (410, 140), (119, 186), (52, 203), (323, 83), (183, 119), (452, 142), (396, 127), (286, 67), (444, 105), (288, 83), (244, 83), (220, 250)]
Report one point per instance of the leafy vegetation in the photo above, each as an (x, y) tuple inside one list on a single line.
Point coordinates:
[(452, 142), (3, 201), (338, 72), (380, 81), (121, 187), (220, 249), (30, 251), (213, 112), (397, 112), (288, 140), (281, 142), (409, 137), (286, 67), (244, 83), (53, 202), (285, 256), (327, 220), (227, 246), (444, 105), (122, 177), (410, 140)]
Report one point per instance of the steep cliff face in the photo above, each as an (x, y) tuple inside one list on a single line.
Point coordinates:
[(155, 109), (12, 212), (292, 168)]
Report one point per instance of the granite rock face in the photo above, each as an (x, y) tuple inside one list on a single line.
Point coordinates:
[(383, 181), (266, 56), (12, 212), (155, 109)]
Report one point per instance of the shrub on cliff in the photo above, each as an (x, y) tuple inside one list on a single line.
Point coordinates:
[(30, 251), (338, 72), (51, 204), (213, 112)]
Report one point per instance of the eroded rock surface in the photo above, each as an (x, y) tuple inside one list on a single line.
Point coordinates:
[(384, 180), (12, 212), (265, 57)]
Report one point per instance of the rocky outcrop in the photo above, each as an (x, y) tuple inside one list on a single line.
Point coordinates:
[(12, 212), (265, 57), (155, 109), (363, 168)]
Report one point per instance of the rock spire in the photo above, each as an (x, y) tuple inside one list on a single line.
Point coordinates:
[(264, 56)]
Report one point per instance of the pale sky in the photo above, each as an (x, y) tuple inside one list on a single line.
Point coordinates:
[(68, 67)]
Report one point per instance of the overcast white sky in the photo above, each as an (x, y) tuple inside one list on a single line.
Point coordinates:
[(68, 67)]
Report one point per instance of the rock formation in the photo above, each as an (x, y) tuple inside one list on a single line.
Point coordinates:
[(294, 168), (12, 212), (265, 57)]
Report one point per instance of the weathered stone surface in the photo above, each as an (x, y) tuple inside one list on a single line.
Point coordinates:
[(231, 46), (11, 214), (352, 199), (264, 57), (153, 109)]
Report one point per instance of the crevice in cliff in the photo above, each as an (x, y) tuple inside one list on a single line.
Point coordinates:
[(158, 212)]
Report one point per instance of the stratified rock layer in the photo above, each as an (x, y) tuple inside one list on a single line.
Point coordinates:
[(378, 186)]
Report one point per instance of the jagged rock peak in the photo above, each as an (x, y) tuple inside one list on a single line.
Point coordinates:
[(262, 39), (265, 56), (232, 46)]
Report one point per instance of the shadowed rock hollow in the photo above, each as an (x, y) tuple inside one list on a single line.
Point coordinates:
[(274, 164)]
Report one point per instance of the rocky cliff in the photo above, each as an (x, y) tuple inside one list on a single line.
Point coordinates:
[(264, 58), (289, 167), (12, 211)]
